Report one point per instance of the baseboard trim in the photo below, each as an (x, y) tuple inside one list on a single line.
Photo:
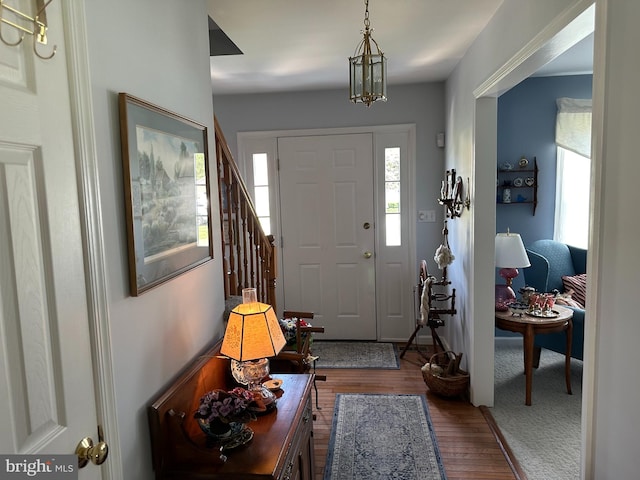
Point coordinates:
[(517, 470)]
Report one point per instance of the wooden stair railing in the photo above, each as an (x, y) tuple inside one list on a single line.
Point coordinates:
[(249, 256)]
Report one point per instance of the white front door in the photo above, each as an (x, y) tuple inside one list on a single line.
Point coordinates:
[(328, 238), (46, 377)]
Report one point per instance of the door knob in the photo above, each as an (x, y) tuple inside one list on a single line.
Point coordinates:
[(86, 451), (367, 255)]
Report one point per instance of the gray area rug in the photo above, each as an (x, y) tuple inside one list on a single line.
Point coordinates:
[(544, 437), (355, 355), (375, 437)]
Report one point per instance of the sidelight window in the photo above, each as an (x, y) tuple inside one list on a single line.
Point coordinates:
[(261, 190), (392, 196)]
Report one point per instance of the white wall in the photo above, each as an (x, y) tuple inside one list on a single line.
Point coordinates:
[(610, 396), (157, 50), (420, 104)]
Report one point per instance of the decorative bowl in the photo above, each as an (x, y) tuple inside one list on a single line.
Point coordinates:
[(518, 308)]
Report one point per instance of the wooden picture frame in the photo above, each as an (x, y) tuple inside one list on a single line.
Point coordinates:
[(167, 192)]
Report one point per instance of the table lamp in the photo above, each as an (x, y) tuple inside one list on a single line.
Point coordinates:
[(253, 333), (510, 255)]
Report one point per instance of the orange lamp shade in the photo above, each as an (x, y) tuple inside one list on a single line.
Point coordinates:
[(253, 332)]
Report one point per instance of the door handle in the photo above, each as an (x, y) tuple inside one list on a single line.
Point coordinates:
[(367, 254), (87, 451)]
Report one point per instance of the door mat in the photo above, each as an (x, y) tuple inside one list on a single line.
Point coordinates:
[(355, 355)]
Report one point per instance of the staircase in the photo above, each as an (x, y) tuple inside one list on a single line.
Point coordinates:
[(249, 256)]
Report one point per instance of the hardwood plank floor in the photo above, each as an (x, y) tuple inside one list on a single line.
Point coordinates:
[(467, 444)]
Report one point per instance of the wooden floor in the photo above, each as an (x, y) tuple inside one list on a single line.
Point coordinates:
[(468, 447)]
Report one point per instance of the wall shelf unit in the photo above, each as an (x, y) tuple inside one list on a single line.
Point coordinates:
[(518, 184)]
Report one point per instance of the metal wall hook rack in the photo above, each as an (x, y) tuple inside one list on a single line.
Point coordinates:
[(39, 30)]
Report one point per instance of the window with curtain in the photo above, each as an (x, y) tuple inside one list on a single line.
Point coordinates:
[(573, 138)]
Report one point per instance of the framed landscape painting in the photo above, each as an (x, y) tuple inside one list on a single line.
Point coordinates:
[(167, 191)]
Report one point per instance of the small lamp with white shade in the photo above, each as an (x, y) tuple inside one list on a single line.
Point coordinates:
[(510, 255)]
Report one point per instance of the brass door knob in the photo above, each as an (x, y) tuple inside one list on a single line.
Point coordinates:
[(86, 451), (367, 254)]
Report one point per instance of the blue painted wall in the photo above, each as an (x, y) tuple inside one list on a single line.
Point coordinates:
[(526, 126)]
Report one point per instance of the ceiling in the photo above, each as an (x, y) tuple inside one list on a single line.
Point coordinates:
[(294, 45)]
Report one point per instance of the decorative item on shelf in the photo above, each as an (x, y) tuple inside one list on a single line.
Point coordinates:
[(529, 181), (253, 333), (506, 166), (222, 416), (510, 255), (367, 69), (452, 193), (506, 195), (38, 30), (518, 182), (523, 162)]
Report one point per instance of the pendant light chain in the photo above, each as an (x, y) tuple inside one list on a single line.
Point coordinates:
[(367, 23)]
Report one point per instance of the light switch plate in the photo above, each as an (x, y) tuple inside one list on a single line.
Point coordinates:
[(427, 216)]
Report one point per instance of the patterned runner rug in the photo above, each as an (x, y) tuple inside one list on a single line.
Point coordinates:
[(376, 437), (355, 355)]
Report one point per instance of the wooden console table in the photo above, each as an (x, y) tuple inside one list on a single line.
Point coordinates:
[(282, 446)]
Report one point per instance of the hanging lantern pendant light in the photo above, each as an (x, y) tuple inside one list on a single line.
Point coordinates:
[(367, 69)]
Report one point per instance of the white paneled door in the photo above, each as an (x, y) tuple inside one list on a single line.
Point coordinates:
[(46, 378), (328, 234)]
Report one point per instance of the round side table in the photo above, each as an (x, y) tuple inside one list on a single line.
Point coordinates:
[(529, 326)]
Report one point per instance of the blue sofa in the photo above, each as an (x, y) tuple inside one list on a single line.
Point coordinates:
[(550, 261)]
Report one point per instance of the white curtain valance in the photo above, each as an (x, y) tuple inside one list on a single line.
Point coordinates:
[(573, 125)]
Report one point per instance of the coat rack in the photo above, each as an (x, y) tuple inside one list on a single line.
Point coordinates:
[(39, 30)]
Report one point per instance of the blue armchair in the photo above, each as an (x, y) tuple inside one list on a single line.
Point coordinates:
[(550, 261)]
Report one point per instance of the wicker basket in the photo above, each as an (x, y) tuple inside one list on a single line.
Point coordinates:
[(453, 381)]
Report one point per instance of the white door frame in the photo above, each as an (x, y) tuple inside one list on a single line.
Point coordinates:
[(266, 141), (93, 238)]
